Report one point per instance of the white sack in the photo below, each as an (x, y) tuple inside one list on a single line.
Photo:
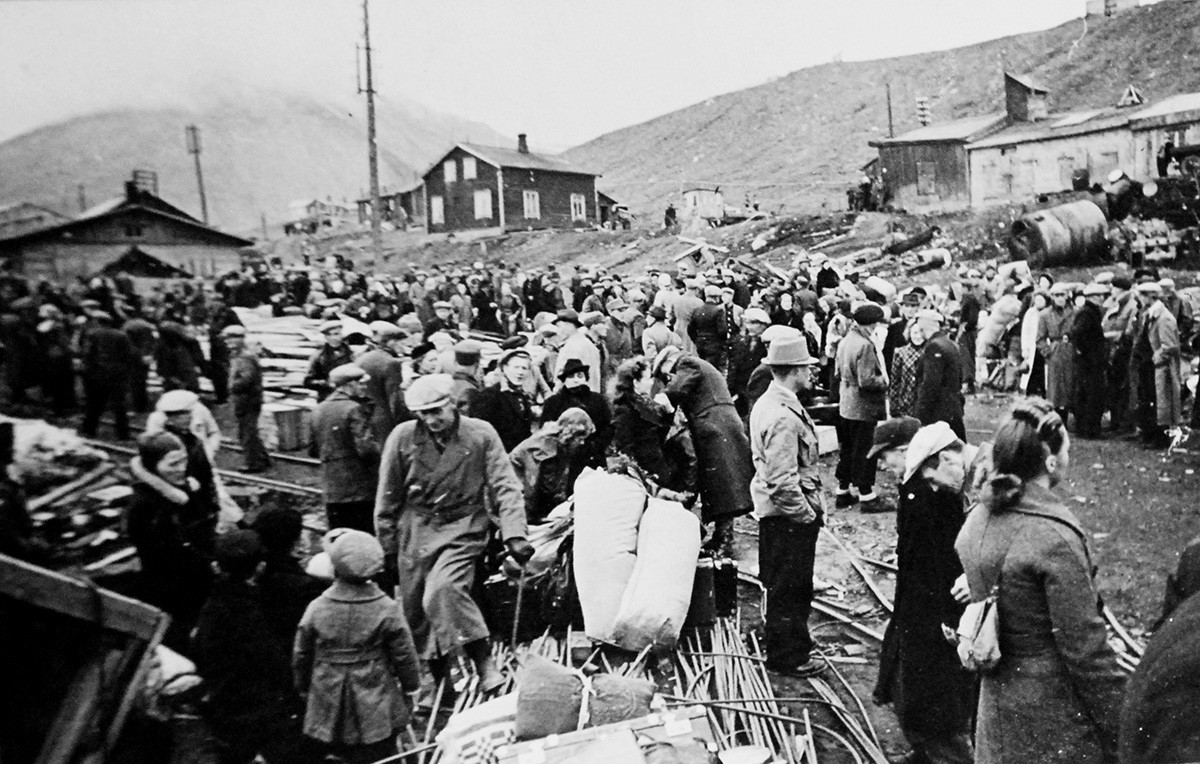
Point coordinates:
[(608, 509)]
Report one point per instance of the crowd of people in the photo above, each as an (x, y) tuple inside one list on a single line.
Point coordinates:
[(482, 393)]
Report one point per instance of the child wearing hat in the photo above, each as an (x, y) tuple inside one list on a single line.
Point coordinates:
[(353, 657)]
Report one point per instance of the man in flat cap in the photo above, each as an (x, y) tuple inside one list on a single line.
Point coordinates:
[(345, 442), (246, 389), (1091, 363), (709, 329), (334, 353), (385, 378), (468, 378), (440, 475), (862, 402)]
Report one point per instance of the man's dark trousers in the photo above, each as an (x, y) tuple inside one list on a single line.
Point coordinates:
[(786, 554)]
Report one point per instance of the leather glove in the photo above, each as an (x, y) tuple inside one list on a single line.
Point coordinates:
[(519, 549)]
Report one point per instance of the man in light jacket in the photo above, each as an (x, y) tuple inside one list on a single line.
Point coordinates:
[(861, 403), (789, 504)]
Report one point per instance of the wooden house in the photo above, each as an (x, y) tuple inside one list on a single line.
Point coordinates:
[(484, 187), (24, 217), (139, 220)]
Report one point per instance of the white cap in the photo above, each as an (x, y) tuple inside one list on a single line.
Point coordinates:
[(176, 401), (928, 441), (756, 314), (429, 392)]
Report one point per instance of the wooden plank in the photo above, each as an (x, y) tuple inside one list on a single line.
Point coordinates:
[(50, 497), (75, 714), (135, 683), (77, 598)]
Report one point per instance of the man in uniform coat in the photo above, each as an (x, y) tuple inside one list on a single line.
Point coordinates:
[(107, 363), (385, 378), (1054, 343), (440, 475), (939, 377), (334, 353), (246, 387), (345, 443), (708, 329)]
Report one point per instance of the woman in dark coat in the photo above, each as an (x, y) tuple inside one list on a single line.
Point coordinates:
[(722, 448), (641, 426), (1055, 695), (175, 570), (505, 404)]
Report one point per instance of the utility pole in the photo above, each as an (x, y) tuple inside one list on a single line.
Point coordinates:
[(372, 149), (82, 198), (193, 146), (891, 127)]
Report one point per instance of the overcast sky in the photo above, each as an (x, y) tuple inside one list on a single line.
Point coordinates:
[(564, 71)]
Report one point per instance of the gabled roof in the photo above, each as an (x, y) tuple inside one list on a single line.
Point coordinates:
[(501, 158), (1023, 79), (956, 130), (1063, 125), (141, 201)]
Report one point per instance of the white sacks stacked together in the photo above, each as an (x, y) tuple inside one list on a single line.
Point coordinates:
[(634, 561)]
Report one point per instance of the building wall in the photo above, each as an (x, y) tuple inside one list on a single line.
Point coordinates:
[(1019, 172), (60, 260), (458, 197), (926, 176), (22, 218), (138, 227), (554, 191)]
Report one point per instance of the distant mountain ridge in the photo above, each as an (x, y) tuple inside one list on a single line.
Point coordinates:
[(261, 149), (800, 140)]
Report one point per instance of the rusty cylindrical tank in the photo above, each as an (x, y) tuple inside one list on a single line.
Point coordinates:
[(1069, 234)]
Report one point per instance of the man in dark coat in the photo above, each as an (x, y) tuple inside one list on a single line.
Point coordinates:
[(939, 377), (107, 361), (1087, 336), (969, 326), (246, 387), (505, 405), (385, 378), (709, 330), (218, 352), (748, 351), (334, 353), (343, 439), (286, 589), (919, 671), (722, 447), (141, 334)]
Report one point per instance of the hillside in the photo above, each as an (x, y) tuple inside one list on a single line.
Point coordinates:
[(261, 150), (799, 140)]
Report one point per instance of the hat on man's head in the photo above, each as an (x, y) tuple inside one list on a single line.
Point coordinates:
[(665, 361), (238, 547), (757, 315), (712, 291), (429, 392), (410, 322), (420, 351), (591, 318), (467, 352), (789, 351), (658, 312), (869, 313), (893, 433), (930, 315), (515, 341), (1104, 277), (910, 298), (508, 355), (926, 442), (1150, 288), (442, 305), (1060, 288), (385, 330), (234, 330), (1094, 289), (1166, 283), (569, 316), (778, 331), (616, 304), (1121, 281), (279, 527), (330, 325), (176, 401), (572, 367), (346, 373)]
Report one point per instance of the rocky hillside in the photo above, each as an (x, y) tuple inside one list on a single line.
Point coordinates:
[(261, 150), (799, 140)]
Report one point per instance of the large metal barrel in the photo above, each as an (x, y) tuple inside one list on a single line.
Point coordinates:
[(1069, 234)]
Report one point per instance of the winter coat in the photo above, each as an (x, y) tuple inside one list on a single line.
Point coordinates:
[(683, 309), (640, 427), (1163, 333), (936, 694), (595, 406), (547, 475), (709, 330), (246, 384), (1054, 342), (343, 439), (384, 387), (108, 357), (352, 657), (864, 383), (939, 382), (787, 455), (657, 337), (1056, 694), (722, 448), (578, 345), (321, 363), (509, 411), (746, 354)]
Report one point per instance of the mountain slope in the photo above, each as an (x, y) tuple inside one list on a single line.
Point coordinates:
[(799, 140), (261, 150)]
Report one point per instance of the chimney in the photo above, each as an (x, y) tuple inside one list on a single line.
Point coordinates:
[(522, 144), (1024, 101)]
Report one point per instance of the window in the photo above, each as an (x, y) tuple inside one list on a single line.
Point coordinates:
[(450, 171), (533, 205), (483, 204), (1066, 170), (926, 178), (468, 168), (437, 213), (578, 207), (134, 230)]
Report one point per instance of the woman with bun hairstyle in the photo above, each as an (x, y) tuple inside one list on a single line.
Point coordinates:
[(1055, 695)]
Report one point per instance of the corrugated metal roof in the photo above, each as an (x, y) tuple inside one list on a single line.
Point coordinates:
[(1171, 105), (1057, 126), (954, 130)]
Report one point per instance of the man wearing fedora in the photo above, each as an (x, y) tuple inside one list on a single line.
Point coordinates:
[(789, 503)]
